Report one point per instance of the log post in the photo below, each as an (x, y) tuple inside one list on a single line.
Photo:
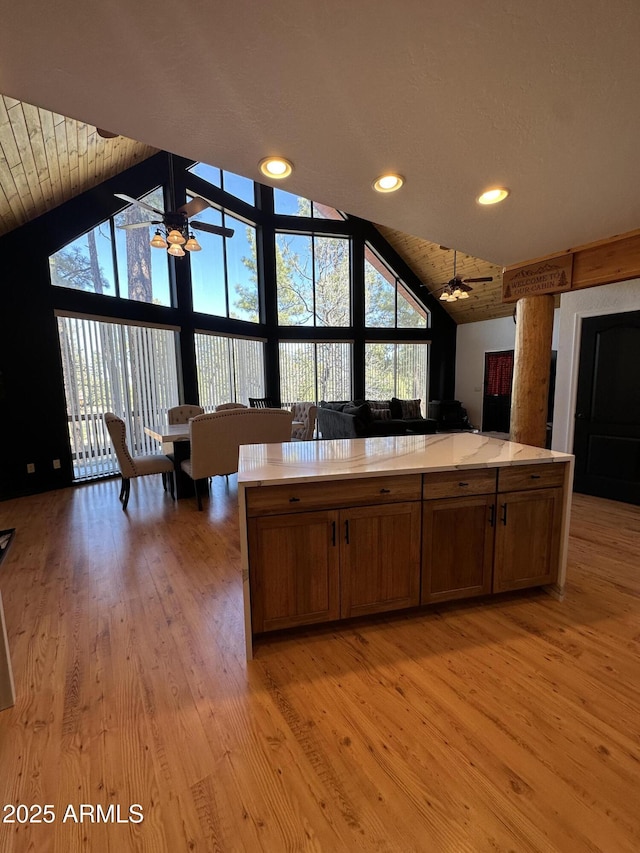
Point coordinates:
[(532, 364)]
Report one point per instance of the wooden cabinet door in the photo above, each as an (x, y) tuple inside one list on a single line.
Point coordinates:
[(380, 558), (527, 550), (457, 547), (295, 571)]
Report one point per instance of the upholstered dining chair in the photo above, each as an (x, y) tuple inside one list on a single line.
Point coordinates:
[(135, 466), (305, 415), (181, 414), (216, 438), (224, 406)]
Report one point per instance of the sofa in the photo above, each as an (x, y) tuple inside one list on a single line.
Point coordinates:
[(366, 418)]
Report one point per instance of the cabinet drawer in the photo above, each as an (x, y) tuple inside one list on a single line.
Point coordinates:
[(453, 484), (519, 477), (299, 497)]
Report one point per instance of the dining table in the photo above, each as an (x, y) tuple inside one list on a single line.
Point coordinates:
[(176, 435)]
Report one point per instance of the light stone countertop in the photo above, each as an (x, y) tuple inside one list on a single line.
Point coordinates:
[(339, 459)]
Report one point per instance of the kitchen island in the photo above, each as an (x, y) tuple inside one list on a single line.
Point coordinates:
[(335, 529)]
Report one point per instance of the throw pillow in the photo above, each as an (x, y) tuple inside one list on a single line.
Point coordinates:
[(409, 409), (380, 409), (335, 405), (362, 412)]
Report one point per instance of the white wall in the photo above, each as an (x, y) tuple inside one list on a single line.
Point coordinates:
[(474, 339)]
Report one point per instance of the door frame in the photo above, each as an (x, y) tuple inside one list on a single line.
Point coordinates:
[(565, 441)]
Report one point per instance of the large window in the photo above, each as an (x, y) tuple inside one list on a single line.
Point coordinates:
[(313, 280), (115, 261), (230, 370), (397, 370), (224, 275), (113, 367), (314, 370), (236, 185), (388, 301), (294, 205)]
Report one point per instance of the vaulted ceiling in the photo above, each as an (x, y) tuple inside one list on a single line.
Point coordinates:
[(540, 97)]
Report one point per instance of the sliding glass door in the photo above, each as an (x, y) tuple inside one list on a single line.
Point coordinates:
[(109, 366)]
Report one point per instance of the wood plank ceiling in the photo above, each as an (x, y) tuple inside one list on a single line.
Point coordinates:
[(47, 158)]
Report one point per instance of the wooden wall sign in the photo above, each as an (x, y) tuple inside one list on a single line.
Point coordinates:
[(549, 276)]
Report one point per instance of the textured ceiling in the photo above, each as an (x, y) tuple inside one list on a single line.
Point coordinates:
[(538, 96)]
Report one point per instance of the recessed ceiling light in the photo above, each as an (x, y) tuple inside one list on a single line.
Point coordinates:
[(493, 196), (388, 183), (276, 167)]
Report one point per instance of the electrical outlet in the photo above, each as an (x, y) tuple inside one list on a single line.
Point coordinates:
[(56, 463), (31, 468)]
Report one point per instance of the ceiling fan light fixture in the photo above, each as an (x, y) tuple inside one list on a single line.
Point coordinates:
[(276, 167), (176, 250), (388, 183), (175, 238), (192, 244), (493, 196), (158, 241), (463, 295)]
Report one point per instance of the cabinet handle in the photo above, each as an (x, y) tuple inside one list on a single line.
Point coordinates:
[(294, 500), (535, 476), (504, 514), (333, 533), (385, 491), (492, 515), (463, 484), (346, 531)]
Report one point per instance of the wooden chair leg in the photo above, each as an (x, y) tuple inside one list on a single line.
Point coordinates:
[(122, 490), (172, 492), (127, 488), (164, 481), (195, 486)]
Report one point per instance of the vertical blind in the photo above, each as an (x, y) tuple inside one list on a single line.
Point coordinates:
[(311, 371), (397, 370), (128, 370), (230, 370)]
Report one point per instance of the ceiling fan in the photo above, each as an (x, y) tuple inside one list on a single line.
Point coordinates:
[(176, 225), (458, 287)]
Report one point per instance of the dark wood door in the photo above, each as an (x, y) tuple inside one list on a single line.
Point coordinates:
[(607, 427)]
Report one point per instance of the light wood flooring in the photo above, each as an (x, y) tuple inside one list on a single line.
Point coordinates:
[(510, 724)]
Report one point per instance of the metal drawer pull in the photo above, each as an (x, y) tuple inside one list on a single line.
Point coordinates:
[(535, 476), (385, 491), (346, 531), (492, 515), (294, 500), (463, 484), (333, 533), (504, 514)]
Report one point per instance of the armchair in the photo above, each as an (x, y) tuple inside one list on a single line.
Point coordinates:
[(305, 414)]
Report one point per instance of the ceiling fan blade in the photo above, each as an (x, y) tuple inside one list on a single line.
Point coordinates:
[(139, 203), (486, 278), (212, 229), (140, 225), (195, 206)]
